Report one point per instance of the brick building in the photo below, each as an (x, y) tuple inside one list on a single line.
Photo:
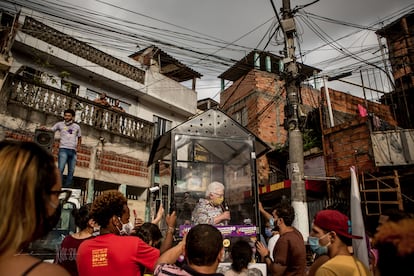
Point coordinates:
[(257, 99), (400, 41), (365, 135)]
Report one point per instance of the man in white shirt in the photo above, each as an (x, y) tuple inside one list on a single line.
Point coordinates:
[(70, 141)]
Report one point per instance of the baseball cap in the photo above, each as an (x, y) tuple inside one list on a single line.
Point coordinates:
[(332, 220)]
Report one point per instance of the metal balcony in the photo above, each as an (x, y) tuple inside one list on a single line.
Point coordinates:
[(34, 96)]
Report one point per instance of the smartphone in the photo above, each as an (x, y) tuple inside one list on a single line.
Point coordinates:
[(157, 205)]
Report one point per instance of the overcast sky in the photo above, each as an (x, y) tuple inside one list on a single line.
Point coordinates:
[(209, 35)]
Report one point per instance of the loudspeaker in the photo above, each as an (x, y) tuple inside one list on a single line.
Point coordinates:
[(44, 138)]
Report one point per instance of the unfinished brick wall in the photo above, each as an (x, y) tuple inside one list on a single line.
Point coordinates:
[(263, 95), (348, 145), (123, 164), (83, 157), (400, 40), (238, 90), (348, 104)]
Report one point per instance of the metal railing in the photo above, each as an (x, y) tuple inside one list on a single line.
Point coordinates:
[(38, 96)]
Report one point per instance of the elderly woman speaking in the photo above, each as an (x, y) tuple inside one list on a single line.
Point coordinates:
[(210, 210)]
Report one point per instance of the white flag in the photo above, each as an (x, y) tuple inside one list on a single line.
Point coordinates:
[(359, 245)]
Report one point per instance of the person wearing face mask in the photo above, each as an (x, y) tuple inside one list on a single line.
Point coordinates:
[(320, 254), (271, 230), (30, 188), (210, 210), (66, 255), (289, 253), (70, 141), (331, 233), (113, 252), (268, 231)]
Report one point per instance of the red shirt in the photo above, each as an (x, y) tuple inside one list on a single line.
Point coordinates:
[(66, 255), (110, 254)]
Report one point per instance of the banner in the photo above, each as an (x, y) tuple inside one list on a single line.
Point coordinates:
[(228, 230), (359, 245)]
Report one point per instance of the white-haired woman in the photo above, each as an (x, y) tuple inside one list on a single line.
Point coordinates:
[(209, 210)]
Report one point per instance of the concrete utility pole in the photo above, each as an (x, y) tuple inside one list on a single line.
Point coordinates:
[(292, 84)]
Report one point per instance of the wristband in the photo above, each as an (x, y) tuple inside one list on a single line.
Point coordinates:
[(268, 257), (171, 229)]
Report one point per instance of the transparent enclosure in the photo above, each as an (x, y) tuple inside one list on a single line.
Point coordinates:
[(198, 161), (210, 147), (45, 248)]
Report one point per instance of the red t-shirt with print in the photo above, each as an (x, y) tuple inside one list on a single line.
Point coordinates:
[(110, 254)]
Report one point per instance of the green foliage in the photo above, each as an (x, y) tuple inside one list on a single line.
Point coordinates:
[(64, 74), (311, 139), (45, 77), (280, 148)]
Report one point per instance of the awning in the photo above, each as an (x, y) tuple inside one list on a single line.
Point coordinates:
[(310, 185)]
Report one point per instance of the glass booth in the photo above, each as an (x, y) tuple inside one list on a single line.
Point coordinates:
[(210, 147)]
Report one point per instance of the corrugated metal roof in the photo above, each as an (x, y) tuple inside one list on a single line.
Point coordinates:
[(169, 66), (244, 65)]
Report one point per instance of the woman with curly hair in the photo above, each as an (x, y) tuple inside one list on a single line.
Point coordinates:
[(30, 187), (395, 244), (111, 253)]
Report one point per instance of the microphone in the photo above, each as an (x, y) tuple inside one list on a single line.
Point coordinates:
[(225, 207)]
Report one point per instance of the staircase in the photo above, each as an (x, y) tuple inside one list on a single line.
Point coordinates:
[(379, 193)]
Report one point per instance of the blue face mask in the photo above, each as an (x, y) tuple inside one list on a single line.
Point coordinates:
[(316, 247), (272, 222), (268, 232)]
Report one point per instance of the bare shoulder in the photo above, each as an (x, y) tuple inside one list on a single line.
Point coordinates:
[(49, 269), (18, 265)]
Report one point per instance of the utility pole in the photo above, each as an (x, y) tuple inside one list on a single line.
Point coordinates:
[(292, 84)]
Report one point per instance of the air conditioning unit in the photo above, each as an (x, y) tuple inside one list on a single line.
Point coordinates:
[(44, 138)]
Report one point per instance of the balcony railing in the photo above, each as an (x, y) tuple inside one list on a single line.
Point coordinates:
[(48, 99)]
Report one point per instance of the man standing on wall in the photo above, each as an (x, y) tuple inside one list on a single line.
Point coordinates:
[(70, 141)]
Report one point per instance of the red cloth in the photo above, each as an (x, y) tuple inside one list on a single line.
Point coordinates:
[(362, 111), (110, 254)]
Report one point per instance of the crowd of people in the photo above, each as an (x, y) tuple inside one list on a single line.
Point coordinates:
[(107, 243)]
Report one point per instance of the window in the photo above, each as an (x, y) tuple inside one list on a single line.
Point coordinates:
[(91, 95), (69, 87), (161, 125), (31, 73)]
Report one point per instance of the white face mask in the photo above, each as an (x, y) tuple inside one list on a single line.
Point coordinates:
[(126, 228), (96, 231)]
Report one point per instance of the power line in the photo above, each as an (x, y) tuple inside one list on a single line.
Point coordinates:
[(104, 30)]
